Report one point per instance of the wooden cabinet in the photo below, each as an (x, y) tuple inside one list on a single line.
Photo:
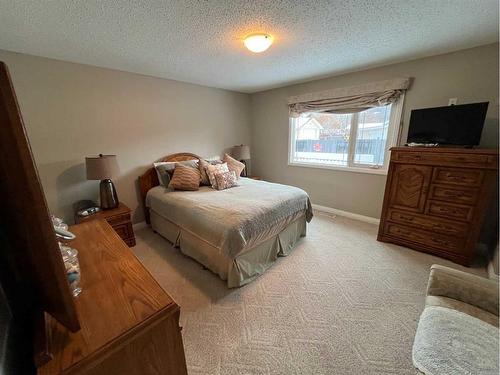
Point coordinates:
[(130, 325), (436, 199), (409, 186)]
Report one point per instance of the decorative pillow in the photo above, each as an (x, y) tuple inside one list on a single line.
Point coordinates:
[(212, 169), (234, 165), (165, 169), (203, 172), (162, 171), (214, 160), (226, 180), (185, 178)]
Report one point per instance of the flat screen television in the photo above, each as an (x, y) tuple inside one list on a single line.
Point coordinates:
[(451, 125)]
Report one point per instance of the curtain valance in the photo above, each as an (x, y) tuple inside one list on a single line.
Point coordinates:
[(349, 99)]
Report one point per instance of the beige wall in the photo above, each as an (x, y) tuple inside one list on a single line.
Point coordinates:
[(469, 75), (73, 110)]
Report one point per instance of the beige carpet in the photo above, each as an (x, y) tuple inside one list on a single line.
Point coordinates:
[(341, 303)]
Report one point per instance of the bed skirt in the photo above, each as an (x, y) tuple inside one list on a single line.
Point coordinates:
[(247, 265)]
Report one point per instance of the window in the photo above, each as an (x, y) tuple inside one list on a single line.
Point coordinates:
[(355, 141)]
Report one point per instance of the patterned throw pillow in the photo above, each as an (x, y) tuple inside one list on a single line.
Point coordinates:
[(212, 169), (165, 169), (226, 180), (185, 178), (234, 165)]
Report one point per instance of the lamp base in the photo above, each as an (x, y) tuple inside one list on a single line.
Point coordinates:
[(245, 171), (109, 198)]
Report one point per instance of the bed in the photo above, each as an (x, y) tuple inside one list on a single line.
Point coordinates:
[(237, 233)]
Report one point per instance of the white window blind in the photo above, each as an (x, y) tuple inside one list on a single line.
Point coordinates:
[(346, 137), (349, 99)]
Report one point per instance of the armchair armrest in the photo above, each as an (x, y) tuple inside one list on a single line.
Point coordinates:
[(474, 290)]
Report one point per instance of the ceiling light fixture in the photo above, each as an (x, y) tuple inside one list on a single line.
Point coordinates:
[(258, 42)]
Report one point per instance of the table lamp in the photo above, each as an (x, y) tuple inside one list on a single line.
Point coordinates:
[(104, 167), (242, 153)]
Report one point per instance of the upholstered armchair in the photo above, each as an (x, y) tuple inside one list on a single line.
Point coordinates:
[(458, 329), (470, 294)]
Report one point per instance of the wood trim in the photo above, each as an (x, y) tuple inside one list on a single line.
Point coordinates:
[(149, 179)]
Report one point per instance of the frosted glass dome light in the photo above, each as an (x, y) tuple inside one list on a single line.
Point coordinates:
[(258, 42)]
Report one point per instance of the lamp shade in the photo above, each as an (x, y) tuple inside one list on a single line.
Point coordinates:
[(241, 152), (101, 167)]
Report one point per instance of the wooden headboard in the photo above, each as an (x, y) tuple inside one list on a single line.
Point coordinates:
[(149, 179)]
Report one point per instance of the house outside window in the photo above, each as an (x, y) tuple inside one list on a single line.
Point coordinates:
[(346, 141)]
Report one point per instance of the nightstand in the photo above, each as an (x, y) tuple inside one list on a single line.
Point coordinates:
[(118, 218)]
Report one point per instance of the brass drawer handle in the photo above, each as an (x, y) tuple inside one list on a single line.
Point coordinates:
[(440, 242), (443, 227), (449, 210), (453, 194), (406, 218), (453, 177), (400, 231)]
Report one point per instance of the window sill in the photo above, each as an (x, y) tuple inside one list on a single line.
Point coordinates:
[(379, 171)]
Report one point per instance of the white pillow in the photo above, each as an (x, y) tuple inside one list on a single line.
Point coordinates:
[(213, 158)]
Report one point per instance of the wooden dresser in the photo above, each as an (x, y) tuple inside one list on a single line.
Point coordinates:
[(436, 199), (129, 324)]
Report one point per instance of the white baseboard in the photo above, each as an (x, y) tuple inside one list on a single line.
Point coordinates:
[(139, 225), (350, 215)]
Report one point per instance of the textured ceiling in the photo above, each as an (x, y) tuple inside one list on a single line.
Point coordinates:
[(201, 41)]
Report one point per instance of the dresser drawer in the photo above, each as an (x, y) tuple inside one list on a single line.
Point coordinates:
[(449, 210), (118, 219), (429, 223), (422, 237), (441, 158), (463, 177), (454, 194)]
